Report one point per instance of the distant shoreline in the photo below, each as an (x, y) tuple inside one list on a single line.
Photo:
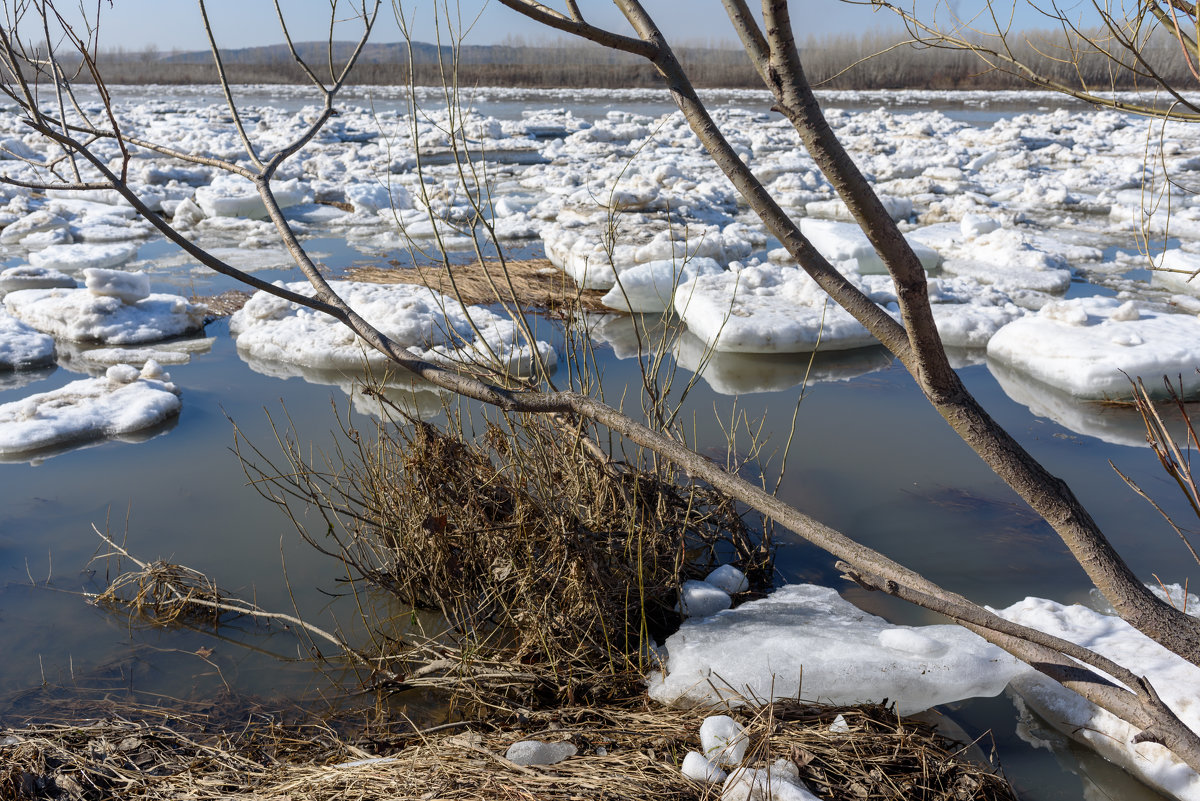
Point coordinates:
[(865, 62)]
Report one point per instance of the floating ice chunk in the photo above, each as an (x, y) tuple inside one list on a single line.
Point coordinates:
[(187, 212), (723, 740), (234, 196), (898, 208), (840, 241), (1177, 269), (81, 316), (1174, 679), (729, 579), (120, 403), (28, 277), (974, 225), (536, 752), (428, 324), (911, 641), (807, 639), (649, 287), (74, 258), (21, 347), (129, 287), (968, 313), (98, 359), (37, 222), (697, 767), (701, 599), (759, 784), (369, 198), (766, 309), (1089, 348)]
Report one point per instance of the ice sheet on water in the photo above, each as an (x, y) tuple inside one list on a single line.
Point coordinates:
[(767, 308), (806, 640), (101, 315), (77, 257), (649, 287), (1174, 679), (28, 277), (122, 402), (1091, 347), (234, 196), (428, 324), (842, 241)]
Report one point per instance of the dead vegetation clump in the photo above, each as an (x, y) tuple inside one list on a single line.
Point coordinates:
[(632, 754), (526, 284), (551, 565)]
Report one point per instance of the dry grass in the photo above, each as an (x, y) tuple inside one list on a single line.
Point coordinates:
[(551, 565), (530, 284), (623, 753)]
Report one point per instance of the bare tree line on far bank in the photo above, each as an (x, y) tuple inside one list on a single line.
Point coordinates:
[(867, 61)]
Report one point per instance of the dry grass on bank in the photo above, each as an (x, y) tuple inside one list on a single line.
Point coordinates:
[(529, 284), (144, 754)]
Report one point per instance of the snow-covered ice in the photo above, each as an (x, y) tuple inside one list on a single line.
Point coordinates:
[(696, 766), (22, 347), (429, 325), (723, 740), (767, 308), (701, 599), (29, 277), (116, 309), (124, 401), (729, 579), (1092, 347), (1175, 680), (843, 241), (78, 257), (807, 641)]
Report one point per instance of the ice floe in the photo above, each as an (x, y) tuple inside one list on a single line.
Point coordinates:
[(1174, 679), (806, 640), (428, 324), (1092, 348), (768, 308), (116, 308), (122, 402)]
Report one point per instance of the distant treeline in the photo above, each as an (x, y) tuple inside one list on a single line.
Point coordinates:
[(872, 61)]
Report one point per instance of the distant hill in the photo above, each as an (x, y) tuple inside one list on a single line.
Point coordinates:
[(398, 53)]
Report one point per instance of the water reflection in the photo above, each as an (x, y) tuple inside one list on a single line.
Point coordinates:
[(1111, 423), (407, 391), (743, 373)]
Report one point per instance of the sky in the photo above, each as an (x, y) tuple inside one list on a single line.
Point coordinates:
[(175, 24)]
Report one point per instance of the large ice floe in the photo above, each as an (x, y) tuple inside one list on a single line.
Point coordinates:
[(115, 308), (428, 324), (122, 402), (767, 308), (806, 641), (1092, 348), (1108, 635)]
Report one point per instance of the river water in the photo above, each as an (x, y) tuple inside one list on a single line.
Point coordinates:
[(869, 457)]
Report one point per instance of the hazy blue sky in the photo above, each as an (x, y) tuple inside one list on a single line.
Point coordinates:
[(171, 24)]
